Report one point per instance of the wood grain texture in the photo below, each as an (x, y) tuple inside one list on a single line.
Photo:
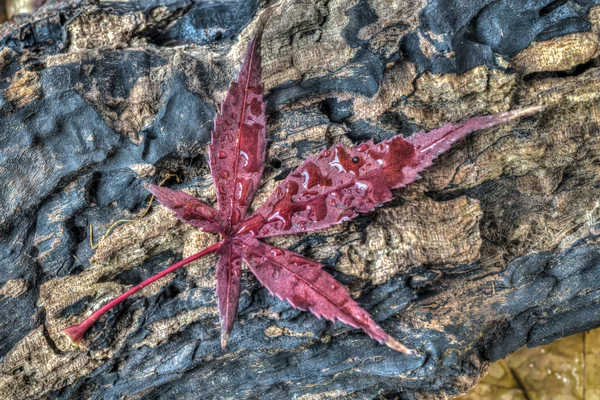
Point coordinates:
[(495, 247)]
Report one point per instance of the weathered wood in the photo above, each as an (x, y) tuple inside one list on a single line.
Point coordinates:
[(496, 247)]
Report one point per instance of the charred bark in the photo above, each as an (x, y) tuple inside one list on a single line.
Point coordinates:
[(497, 246)]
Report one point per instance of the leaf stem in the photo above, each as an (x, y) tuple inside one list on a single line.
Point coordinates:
[(76, 332)]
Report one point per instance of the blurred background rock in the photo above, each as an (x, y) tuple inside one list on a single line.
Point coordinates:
[(566, 369), (10, 8)]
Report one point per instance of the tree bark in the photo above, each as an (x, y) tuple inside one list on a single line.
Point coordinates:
[(495, 247)]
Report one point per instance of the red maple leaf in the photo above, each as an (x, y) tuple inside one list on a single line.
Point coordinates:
[(330, 188)]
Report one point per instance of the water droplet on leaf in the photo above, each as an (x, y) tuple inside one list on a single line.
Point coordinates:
[(277, 252), (244, 156)]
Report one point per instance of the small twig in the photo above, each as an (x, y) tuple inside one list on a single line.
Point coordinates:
[(127, 221)]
